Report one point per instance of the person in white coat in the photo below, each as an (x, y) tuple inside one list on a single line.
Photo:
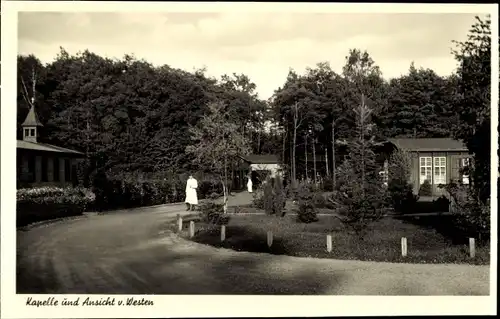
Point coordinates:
[(249, 184), (191, 195)]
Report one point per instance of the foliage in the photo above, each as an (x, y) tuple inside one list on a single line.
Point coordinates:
[(45, 203), (421, 105), (217, 144), (473, 103), (425, 189), (272, 197), (213, 213), (327, 184), (472, 216), (399, 187), (362, 198), (307, 211)]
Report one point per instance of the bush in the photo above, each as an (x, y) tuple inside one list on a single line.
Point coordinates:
[(360, 202), (130, 192), (327, 185), (46, 203), (272, 197), (442, 204), (472, 217), (258, 199), (403, 199), (307, 211), (213, 213), (425, 189), (320, 201)]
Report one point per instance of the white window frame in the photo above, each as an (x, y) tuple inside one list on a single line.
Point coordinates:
[(439, 172), (425, 162), (465, 163)]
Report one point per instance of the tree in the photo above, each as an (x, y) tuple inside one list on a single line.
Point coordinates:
[(296, 107), (419, 105), (474, 102), (217, 143), (362, 197)]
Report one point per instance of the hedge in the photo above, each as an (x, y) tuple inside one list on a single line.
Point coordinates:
[(128, 193), (46, 203)]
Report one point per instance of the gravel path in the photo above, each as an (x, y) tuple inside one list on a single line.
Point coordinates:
[(131, 253)]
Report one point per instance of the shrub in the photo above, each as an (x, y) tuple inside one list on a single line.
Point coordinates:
[(320, 201), (45, 203), (360, 202), (403, 199), (279, 197), (472, 217), (441, 204), (213, 213), (258, 199), (327, 185), (307, 211), (129, 192), (425, 189)]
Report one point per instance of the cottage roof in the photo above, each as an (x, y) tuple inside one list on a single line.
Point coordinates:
[(261, 159), (45, 147), (32, 118), (429, 144)]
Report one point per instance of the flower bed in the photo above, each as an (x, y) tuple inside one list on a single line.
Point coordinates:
[(46, 203)]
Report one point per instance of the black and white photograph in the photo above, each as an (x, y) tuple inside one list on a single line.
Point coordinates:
[(247, 152)]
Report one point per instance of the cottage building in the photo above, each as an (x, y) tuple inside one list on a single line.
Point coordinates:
[(40, 164), (437, 160)]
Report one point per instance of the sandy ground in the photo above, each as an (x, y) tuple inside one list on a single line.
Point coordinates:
[(131, 253)]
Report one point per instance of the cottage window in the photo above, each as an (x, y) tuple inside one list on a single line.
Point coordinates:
[(26, 132), (32, 132), (465, 165), (439, 170), (425, 169)]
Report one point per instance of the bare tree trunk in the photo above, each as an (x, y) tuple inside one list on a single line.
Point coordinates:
[(361, 136), (295, 127), (258, 142), (334, 173), (314, 161), (307, 174), (326, 160)]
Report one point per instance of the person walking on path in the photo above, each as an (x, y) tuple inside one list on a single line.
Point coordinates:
[(191, 195), (249, 184)]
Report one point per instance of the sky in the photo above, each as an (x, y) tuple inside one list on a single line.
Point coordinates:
[(263, 46)]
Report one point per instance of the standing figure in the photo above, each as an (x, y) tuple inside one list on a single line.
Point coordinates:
[(249, 184), (191, 195)]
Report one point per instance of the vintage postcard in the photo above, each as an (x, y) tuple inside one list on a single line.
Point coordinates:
[(224, 159)]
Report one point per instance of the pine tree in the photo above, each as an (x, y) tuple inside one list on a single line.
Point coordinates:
[(361, 198)]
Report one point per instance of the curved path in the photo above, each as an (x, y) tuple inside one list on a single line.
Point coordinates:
[(131, 253)]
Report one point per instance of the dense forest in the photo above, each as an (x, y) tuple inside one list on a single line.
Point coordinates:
[(139, 115)]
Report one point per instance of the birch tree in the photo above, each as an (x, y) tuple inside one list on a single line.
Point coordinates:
[(217, 144)]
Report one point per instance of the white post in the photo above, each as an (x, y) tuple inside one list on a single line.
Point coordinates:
[(269, 238), (191, 229), (404, 247), (179, 223), (329, 243), (223, 233), (472, 247)]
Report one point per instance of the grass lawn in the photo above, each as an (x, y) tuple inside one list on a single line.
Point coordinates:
[(382, 242)]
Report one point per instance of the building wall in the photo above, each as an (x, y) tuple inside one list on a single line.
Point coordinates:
[(273, 168), (452, 168), (37, 169)]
